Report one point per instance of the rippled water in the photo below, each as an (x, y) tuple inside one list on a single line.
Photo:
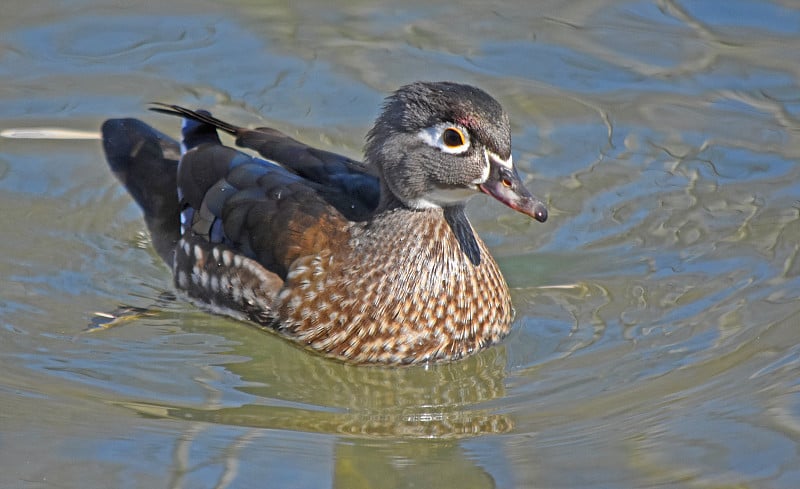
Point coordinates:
[(656, 341)]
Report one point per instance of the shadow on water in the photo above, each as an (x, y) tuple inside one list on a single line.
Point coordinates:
[(387, 427), (297, 390)]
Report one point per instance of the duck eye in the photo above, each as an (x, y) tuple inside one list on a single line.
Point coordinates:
[(453, 137)]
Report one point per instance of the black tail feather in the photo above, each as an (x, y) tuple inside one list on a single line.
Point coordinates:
[(145, 161)]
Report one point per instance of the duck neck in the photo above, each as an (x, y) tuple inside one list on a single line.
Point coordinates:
[(418, 221), (388, 200)]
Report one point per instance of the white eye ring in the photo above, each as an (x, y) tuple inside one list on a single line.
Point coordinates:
[(435, 136)]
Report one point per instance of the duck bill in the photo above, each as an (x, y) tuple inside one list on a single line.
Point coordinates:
[(505, 185)]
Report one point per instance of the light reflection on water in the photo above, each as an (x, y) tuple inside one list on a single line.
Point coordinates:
[(657, 310)]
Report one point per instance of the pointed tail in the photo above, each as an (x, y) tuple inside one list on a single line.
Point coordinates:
[(146, 162)]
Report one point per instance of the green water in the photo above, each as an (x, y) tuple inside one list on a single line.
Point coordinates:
[(656, 339)]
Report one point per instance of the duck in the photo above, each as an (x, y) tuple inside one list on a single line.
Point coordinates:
[(369, 262)]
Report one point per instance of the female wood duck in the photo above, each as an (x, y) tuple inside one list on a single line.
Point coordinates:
[(370, 263)]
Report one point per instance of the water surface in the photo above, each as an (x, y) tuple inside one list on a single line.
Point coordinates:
[(656, 339)]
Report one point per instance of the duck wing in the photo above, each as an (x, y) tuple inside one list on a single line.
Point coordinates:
[(257, 208), (355, 182)]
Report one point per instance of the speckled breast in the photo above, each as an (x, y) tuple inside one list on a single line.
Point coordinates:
[(401, 291)]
